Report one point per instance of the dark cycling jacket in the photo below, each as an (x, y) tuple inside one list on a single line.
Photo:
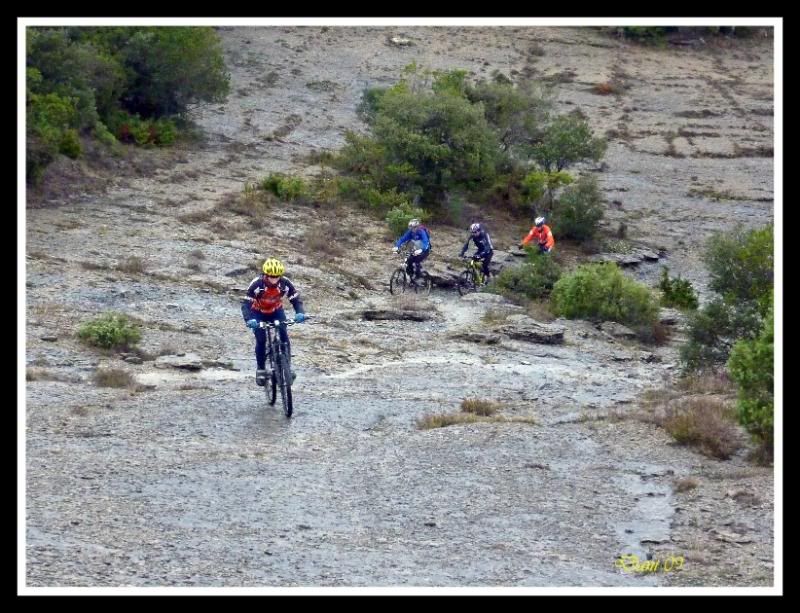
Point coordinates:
[(482, 243), (419, 235), (270, 300)]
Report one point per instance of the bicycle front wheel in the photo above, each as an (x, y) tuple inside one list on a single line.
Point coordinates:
[(284, 377), (466, 283), (397, 283), (271, 389)]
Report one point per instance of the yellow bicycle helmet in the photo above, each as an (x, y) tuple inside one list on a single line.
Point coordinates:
[(273, 268)]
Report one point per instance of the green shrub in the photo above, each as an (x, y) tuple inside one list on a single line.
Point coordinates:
[(534, 279), (70, 144), (645, 34), (37, 157), (677, 292), (164, 131), (751, 367), (110, 331), (399, 216), (601, 291), (579, 210), (285, 187)]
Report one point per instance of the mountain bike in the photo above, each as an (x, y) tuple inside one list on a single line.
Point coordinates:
[(472, 278), (280, 365), (400, 281)]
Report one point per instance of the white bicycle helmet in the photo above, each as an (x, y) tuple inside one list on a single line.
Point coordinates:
[(539, 222), (413, 224), (475, 228)]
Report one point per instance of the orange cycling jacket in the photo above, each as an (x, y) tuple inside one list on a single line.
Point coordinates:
[(543, 236)]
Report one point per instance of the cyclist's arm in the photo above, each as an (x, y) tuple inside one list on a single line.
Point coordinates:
[(530, 236), (466, 246), (254, 284), (247, 312), (292, 294), (403, 239)]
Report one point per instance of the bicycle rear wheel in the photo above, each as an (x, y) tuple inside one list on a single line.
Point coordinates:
[(466, 283), (284, 377), (397, 283), (424, 284)]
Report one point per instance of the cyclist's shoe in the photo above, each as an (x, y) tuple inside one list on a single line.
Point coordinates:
[(261, 377)]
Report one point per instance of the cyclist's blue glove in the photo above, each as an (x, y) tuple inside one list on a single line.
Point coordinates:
[(252, 323), (299, 318)]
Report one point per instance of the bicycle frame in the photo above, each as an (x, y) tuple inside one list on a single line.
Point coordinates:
[(475, 267), (280, 365)]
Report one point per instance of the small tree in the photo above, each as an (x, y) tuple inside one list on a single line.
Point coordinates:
[(676, 291), (751, 367), (579, 210)]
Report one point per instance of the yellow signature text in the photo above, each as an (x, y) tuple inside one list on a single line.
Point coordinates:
[(630, 563)]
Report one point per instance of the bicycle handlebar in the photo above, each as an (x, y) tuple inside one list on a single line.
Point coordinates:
[(285, 322)]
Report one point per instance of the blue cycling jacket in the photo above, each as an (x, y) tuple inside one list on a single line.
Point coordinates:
[(419, 235)]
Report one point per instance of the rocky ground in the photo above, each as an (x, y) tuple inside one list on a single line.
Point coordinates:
[(186, 477)]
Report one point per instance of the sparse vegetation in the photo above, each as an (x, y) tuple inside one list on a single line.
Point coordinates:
[(476, 406), (112, 377), (685, 485), (705, 423)]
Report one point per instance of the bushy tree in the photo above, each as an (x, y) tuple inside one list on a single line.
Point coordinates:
[(434, 132), (173, 68), (101, 81), (741, 266), (567, 139), (431, 140), (517, 115)]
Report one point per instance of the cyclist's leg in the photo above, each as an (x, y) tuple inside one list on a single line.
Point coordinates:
[(261, 355), (420, 259), (261, 348), (410, 266), (486, 260)]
